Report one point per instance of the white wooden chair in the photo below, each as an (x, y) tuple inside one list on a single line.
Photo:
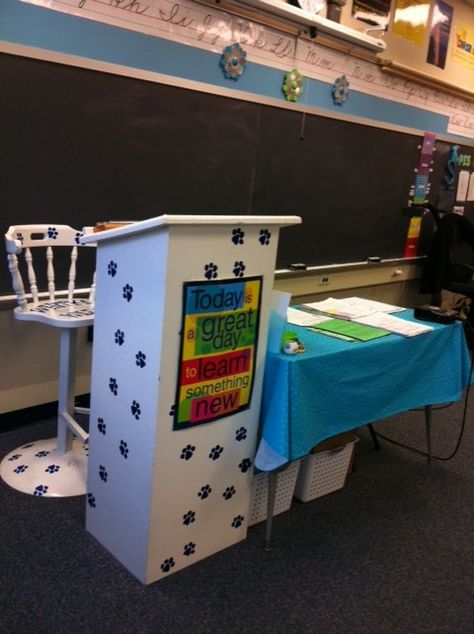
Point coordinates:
[(54, 467)]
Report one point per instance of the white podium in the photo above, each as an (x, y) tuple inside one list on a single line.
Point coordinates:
[(181, 321)]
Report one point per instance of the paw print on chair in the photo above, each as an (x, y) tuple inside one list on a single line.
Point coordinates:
[(112, 268), (228, 493), (239, 268), (167, 564), (101, 426), (40, 490), (210, 271), (140, 359), (127, 292), (113, 386), (205, 491), (187, 452), (77, 237), (53, 468), (264, 237), (216, 452), (41, 454), (20, 237), (136, 411), (123, 448), (52, 233), (14, 457), (119, 337), (238, 236), (189, 518), (189, 549), (21, 468), (237, 521)]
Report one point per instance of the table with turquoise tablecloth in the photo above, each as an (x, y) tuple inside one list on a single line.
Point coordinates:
[(337, 385)]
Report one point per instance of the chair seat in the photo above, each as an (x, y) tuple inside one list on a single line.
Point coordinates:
[(64, 313)]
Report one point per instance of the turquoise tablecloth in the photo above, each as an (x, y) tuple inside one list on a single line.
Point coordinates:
[(337, 385)]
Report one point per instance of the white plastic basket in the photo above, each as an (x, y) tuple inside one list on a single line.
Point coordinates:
[(324, 472), (285, 488)]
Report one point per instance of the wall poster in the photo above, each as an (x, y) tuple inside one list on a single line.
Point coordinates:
[(219, 337), (439, 33)]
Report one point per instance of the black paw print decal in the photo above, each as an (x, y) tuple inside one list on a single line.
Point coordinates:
[(52, 233), (228, 493), (189, 549), (77, 238), (245, 465), (189, 518), (123, 448), (167, 564), (41, 454), (136, 411), (264, 237), (103, 475), (127, 292), (216, 452), (172, 410), (239, 268), (238, 236), (119, 337), (237, 521), (210, 271), (21, 468), (40, 490), (113, 385), (112, 268), (241, 434), (101, 426), (19, 236), (91, 500), (187, 452), (53, 468), (15, 457), (205, 492), (140, 359)]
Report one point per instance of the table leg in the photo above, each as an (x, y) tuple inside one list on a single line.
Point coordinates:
[(428, 410), (272, 485)]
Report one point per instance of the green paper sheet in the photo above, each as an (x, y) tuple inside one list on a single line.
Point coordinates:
[(349, 329)]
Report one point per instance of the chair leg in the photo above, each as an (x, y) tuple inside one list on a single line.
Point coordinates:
[(67, 367)]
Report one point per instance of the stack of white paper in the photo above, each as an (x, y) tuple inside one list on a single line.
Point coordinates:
[(351, 307), (394, 324)]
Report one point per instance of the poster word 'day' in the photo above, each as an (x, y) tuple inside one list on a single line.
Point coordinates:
[(218, 349)]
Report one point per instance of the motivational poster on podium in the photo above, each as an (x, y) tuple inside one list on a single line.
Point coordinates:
[(219, 338)]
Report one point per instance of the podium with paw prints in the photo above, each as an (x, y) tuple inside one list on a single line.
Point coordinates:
[(181, 322)]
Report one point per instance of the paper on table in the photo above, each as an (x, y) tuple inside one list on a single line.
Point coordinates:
[(394, 324), (350, 329), (351, 307), (303, 318)]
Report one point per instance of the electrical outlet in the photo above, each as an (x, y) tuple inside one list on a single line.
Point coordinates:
[(323, 280)]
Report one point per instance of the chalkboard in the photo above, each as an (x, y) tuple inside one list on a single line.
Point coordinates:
[(81, 146)]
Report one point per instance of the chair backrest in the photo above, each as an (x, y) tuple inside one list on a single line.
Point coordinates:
[(37, 276)]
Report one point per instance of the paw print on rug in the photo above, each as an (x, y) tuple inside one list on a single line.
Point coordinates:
[(127, 292), (205, 491), (241, 434), (101, 426), (187, 452), (119, 337), (53, 468), (91, 500), (14, 457), (21, 468), (210, 271), (237, 521), (103, 475), (52, 233), (228, 493), (113, 385), (245, 465), (189, 518), (167, 564), (264, 237), (41, 454), (123, 448), (40, 490), (136, 411), (189, 549), (239, 268), (216, 452), (112, 268), (238, 236), (140, 359)]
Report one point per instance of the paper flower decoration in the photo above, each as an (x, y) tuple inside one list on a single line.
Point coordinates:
[(340, 90), (233, 61), (292, 85)]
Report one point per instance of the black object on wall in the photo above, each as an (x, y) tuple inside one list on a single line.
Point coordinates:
[(81, 146)]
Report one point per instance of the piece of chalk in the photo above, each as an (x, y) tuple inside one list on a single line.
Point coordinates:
[(297, 266)]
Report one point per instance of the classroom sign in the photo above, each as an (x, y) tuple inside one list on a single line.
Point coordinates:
[(219, 338)]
